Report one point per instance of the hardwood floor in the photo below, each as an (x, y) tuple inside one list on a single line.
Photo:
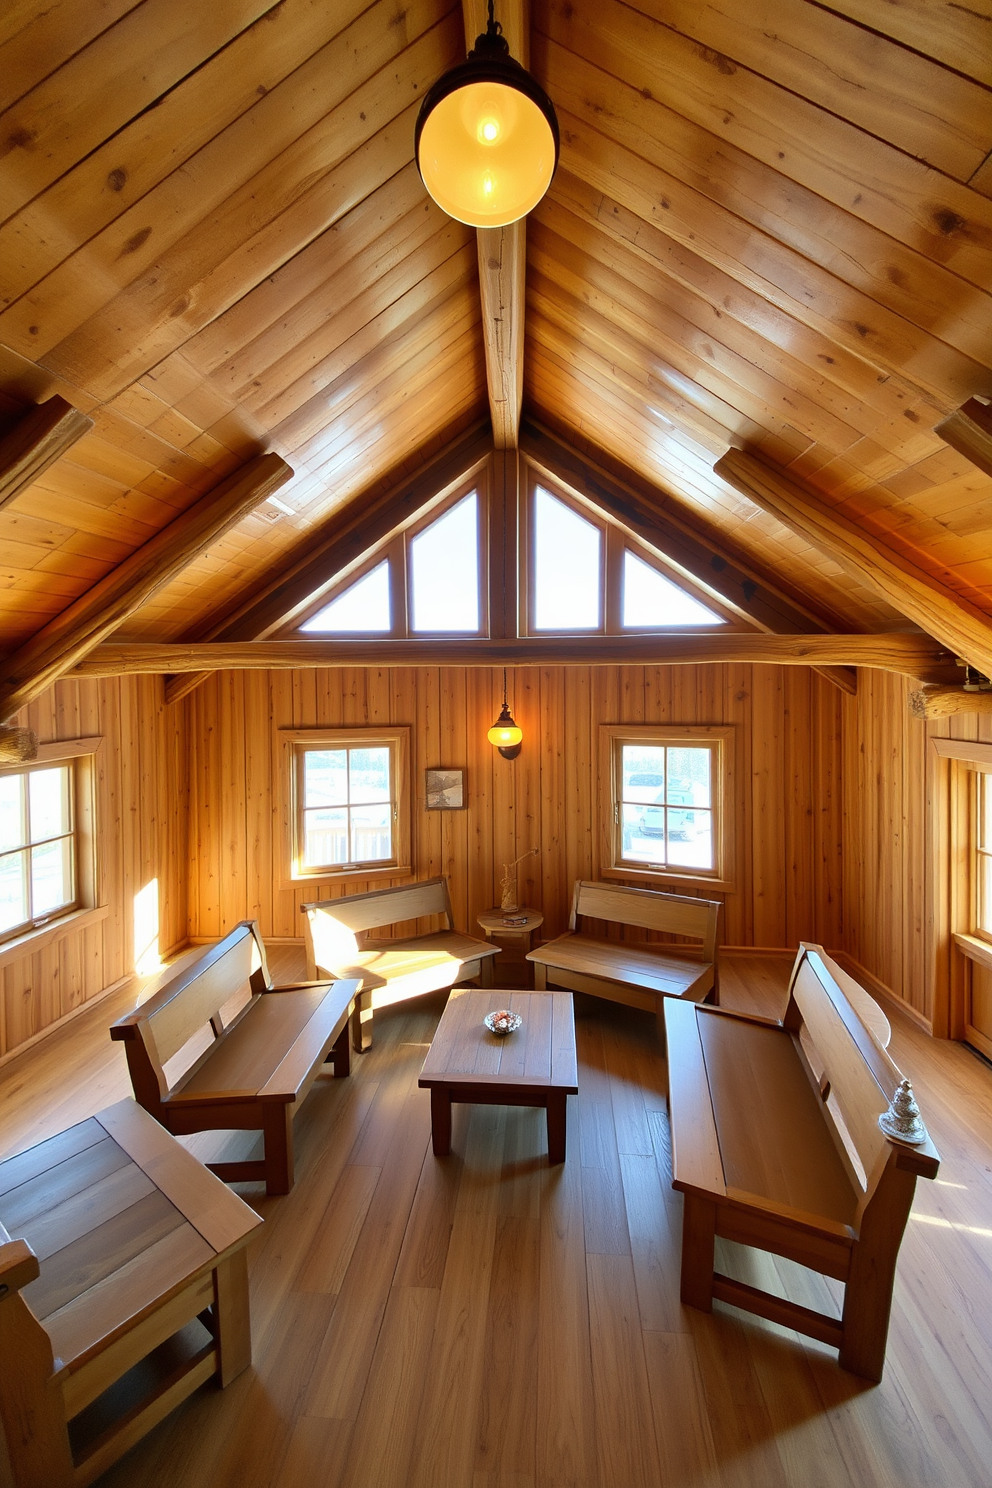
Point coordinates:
[(485, 1321)]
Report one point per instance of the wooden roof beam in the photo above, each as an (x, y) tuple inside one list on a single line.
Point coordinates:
[(969, 431), (503, 259), (952, 620), (912, 655), (39, 438), (64, 641)]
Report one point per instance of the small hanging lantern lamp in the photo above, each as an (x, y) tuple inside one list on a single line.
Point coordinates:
[(505, 734), (487, 137)]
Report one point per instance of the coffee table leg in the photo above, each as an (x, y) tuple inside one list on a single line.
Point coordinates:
[(556, 1127), (440, 1122)]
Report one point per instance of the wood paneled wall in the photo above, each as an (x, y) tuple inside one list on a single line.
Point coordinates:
[(141, 814), (788, 803)]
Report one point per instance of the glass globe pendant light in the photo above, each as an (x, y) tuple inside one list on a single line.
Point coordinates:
[(506, 735), (487, 138)]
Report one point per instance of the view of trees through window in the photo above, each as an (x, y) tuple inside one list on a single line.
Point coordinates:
[(37, 867), (666, 804)]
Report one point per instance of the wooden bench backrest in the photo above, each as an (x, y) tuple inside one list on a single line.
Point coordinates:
[(179, 1010), (862, 1076), (675, 914), (359, 912)]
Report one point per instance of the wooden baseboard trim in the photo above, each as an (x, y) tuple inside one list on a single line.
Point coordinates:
[(65, 1018), (744, 950), (879, 990)]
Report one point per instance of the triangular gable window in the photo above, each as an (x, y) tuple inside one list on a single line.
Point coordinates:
[(361, 609), (567, 559), (652, 602), (444, 571)]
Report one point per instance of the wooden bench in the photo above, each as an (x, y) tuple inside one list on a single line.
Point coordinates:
[(124, 1288), (392, 970), (262, 1048), (637, 974), (776, 1145)]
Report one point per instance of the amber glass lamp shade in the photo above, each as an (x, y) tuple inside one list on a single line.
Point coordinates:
[(506, 735), (487, 138)]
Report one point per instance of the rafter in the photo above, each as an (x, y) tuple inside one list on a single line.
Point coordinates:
[(911, 655), (952, 620), (37, 440), (503, 260), (64, 641), (948, 702), (969, 431)]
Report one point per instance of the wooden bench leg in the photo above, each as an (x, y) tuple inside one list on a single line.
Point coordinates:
[(698, 1239), (486, 971), (277, 1126), (361, 1023), (31, 1410), (233, 1321), (440, 1122), (557, 1106), (868, 1294), (540, 976)]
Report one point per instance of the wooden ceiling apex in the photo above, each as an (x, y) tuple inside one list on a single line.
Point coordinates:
[(37, 440), (948, 617), (66, 639)]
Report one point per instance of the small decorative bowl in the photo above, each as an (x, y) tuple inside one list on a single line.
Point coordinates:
[(503, 1022)]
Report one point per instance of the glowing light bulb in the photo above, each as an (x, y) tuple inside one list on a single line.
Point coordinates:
[(488, 131), (488, 184)]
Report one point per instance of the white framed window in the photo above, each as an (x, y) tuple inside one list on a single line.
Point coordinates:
[(582, 573), (428, 580), (983, 854), (665, 805), (350, 802), (47, 838)]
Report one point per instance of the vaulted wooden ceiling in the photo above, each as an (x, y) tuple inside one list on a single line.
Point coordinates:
[(771, 228)]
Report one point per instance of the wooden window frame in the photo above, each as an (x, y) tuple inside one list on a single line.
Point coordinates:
[(718, 737), (615, 542), (396, 549), (295, 744), (81, 757)]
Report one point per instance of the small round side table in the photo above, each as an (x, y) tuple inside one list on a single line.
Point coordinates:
[(519, 936)]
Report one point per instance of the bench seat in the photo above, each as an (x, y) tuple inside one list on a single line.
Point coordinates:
[(264, 1048), (776, 1144), (393, 970)]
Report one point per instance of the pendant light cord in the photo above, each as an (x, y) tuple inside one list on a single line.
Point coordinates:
[(493, 27)]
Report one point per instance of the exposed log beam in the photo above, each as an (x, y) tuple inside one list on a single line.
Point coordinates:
[(955, 622), (969, 431), (503, 259), (700, 556), (37, 440), (65, 640), (17, 745), (947, 702), (912, 655)]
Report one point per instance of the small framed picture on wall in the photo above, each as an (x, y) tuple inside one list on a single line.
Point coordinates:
[(445, 790)]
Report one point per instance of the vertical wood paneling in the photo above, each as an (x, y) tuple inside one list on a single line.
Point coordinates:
[(142, 815), (787, 802)]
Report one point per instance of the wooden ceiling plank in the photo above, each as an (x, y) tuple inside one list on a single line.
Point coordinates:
[(619, 291), (140, 156), (894, 275), (285, 152), (959, 36), (777, 272), (969, 431), (32, 668), (883, 185), (782, 327), (908, 100), (909, 655), (951, 619), (33, 45), (39, 438)]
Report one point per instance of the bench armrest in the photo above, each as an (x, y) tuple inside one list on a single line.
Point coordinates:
[(18, 1264), (301, 986), (294, 1074)]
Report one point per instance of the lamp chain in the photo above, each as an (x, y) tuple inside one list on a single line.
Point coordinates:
[(493, 27)]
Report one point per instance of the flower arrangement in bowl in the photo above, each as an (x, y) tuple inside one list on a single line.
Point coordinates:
[(503, 1022)]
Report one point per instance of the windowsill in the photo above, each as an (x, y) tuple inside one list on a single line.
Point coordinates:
[(36, 940), (974, 948), (666, 876), (359, 875)]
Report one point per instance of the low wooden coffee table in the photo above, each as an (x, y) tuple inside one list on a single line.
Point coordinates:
[(536, 1066)]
